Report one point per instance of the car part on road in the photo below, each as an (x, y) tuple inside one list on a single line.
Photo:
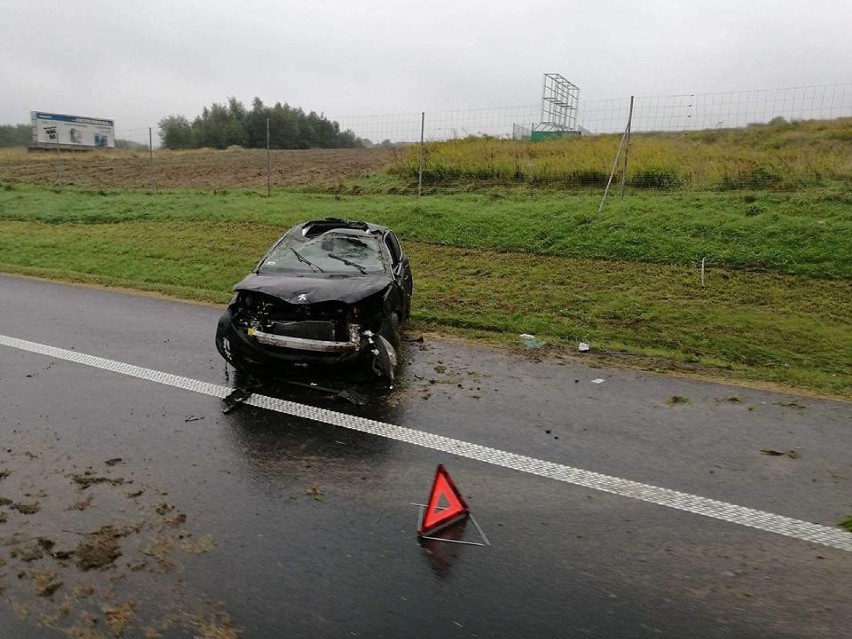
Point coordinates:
[(239, 395), (350, 395)]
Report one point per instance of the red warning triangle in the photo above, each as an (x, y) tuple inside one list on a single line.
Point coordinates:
[(445, 506)]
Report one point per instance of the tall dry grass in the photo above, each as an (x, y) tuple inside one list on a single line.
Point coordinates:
[(780, 155)]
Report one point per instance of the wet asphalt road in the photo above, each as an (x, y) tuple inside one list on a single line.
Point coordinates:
[(278, 526)]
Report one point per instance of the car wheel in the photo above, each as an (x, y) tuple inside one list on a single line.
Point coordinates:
[(223, 345), (390, 329)]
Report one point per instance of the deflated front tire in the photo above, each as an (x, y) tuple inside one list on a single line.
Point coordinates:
[(223, 342)]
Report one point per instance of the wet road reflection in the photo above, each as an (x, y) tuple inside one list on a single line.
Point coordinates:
[(279, 526), (284, 449)]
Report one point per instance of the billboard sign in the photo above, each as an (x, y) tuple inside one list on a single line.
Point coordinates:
[(51, 129)]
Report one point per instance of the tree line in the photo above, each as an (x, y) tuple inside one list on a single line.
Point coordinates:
[(222, 125), (232, 124), (15, 135)]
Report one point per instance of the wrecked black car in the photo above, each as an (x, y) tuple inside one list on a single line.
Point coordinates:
[(330, 293)]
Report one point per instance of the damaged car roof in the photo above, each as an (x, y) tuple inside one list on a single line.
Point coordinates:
[(316, 285)]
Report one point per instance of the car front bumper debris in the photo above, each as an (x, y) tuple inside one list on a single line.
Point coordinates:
[(306, 344)]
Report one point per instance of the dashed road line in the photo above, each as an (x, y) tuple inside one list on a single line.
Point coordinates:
[(719, 510)]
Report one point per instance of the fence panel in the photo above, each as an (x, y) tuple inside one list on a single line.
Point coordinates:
[(687, 112)]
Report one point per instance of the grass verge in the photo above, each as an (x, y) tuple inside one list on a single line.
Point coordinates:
[(746, 325), (808, 233)]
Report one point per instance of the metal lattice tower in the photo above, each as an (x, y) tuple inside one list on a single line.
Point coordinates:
[(559, 102)]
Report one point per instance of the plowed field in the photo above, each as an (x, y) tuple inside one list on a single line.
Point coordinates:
[(203, 169)]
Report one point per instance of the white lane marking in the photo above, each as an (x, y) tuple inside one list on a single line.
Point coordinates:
[(723, 511)]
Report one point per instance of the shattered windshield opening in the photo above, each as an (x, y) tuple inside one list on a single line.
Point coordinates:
[(332, 252)]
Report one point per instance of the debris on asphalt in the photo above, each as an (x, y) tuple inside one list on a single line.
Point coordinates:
[(598, 381), (791, 454), (794, 404), (87, 479), (82, 504), (119, 617), (350, 395), (238, 396), (99, 549), (26, 509), (674, 400), (45, 583), (67, 550), (315, 492)]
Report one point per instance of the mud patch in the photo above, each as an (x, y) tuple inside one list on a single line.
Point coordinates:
[(45, 583), (87, 479), (98, 550), (119, 617), (78, 566), (26, 509)]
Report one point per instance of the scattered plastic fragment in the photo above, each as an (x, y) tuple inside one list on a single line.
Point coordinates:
[(350, 395), (530, 341), (582, 347), (236, 398), (792, 454), (598, 381)]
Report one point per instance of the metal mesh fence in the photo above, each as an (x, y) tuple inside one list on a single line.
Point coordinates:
[(688, 112)]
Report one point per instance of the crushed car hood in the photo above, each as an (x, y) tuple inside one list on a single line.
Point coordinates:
[(310, 290)]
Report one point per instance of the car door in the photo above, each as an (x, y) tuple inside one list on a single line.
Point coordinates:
[(401, 271)]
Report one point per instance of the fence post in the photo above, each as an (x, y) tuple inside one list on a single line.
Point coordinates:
[(420, 172), (58, 161), (627, 148), (153, 183), (268, 173), (614, 165)]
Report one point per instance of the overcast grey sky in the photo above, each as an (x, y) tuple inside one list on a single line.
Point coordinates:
[(138, 61)]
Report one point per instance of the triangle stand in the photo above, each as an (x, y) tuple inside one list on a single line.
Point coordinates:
[(484, 542)]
